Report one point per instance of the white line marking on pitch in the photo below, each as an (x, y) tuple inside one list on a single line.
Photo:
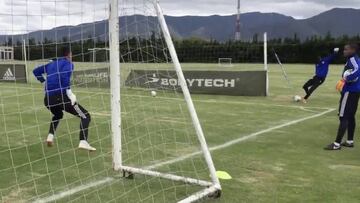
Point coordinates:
[(240, 139), (218, 147), (195, 100), (74, 190), (101, 114)]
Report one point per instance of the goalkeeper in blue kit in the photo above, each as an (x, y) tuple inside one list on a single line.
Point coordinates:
[(350, 95), (321, 72), (60, 98)]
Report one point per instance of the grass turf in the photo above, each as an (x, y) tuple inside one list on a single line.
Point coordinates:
[(283, 165)]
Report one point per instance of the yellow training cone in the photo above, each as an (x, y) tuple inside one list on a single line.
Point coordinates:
[(223, 175)]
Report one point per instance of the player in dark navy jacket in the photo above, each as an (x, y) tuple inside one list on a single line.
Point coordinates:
[(321, 72), (59, 97), (350, 95)]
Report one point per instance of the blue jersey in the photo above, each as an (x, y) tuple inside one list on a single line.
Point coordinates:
[(322, 68), (352, 81), (58, 76)]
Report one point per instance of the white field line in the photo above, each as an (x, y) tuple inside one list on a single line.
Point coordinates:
[(73, 191), (309, 110), (182, 158), (170, 121), (240, 139), (100, 114), (195, 100)]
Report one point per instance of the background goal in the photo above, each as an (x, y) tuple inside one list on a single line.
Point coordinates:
[(225, 62)]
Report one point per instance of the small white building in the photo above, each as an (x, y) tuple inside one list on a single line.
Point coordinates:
[(6, 53)]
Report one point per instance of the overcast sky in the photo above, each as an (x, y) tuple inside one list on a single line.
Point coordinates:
[(21, 16), (295, 8)]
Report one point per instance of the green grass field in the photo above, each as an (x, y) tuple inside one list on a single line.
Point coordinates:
[(282, 161)]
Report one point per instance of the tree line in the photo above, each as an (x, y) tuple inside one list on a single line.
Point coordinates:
[(193, 50)]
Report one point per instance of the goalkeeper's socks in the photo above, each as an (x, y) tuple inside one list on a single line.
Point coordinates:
[(85, 145), (50, 140)]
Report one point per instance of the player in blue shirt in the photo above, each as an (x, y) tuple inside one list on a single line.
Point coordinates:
[(350, 94), (59, 97), (321, 72)]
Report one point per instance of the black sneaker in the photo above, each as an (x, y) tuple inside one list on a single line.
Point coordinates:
[(346, 144), (332, 146)]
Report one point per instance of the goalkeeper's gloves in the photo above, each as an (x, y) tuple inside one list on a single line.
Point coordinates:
[(336, 50), (71, 96), (340, 85)]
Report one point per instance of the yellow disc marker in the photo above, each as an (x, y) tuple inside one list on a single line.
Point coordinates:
[(223, 175)]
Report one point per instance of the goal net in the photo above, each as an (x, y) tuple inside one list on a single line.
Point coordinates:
[(150, 145), (225, 62)]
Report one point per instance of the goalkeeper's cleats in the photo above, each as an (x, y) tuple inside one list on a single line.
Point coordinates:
[(50, 140), (333, 146), (86, 146), (348, 144)]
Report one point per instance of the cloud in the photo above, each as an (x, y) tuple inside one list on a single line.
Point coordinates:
[(20, 16), (23, 16)]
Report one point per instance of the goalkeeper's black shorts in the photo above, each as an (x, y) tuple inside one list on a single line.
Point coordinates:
[(59, 103)]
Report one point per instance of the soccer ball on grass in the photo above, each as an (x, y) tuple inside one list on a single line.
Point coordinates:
[(297, 98), (153, 93)]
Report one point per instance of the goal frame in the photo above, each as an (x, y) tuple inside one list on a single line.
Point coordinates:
[(225, 65), (266, 67), (213, 187)]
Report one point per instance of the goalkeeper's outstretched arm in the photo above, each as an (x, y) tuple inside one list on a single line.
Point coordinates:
[(330, 58)]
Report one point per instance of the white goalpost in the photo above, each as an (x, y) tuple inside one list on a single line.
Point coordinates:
[(115, 84), (151, 145), (266, 67), (213, 186)]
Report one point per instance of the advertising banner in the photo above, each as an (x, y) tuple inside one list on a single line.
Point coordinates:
[(92, 78), (13, 73), (237, 83)]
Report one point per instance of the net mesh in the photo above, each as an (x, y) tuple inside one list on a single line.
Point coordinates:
[(157, 133)]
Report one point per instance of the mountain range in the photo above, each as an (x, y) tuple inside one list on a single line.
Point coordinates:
[(338, 22)]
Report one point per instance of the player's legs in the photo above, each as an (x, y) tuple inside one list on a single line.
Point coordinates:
[(351, 129), (57, 116), (344, 114), (83, 114), (354, 97), (316, 82), (347, 111), (341, 130), (54, 104), (307, 85), (343, 123)]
